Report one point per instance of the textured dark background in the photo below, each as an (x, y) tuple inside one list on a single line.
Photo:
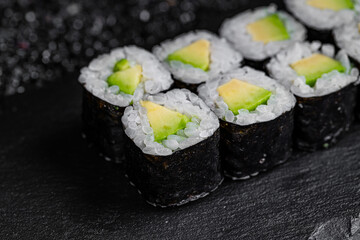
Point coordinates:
[(53, 186)]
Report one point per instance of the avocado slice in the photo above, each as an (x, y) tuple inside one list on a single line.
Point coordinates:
[(121, 65), (335, 5), (315, 66), (127, 80), (238, 95), (268, 29), (164, 121), (196, 54)]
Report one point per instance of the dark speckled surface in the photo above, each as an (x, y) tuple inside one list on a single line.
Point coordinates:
[(52, 186)]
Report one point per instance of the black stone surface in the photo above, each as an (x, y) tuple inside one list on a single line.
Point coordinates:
[(52, 186), (346, 228)]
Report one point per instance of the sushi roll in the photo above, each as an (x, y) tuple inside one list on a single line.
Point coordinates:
[(347, 37), (256, 118), (112, 82), (261, 33), (172, 148), (322, 16), (323, 83), (196, 57)]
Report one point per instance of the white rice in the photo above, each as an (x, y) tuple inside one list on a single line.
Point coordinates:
[(280, 101), (223, 57), (235, 31), (155, 78), (203, 122), (321, 19), (347, 37), (279, 68)]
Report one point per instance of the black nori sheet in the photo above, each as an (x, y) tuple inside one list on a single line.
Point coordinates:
[(258, 65), (321, 121), (248, 150), (324, 36), (174, 180), (180, 84), (102, 126), (357, 107)]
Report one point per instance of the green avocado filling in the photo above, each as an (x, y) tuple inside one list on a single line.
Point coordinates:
[(196, 54), (313, 67), (242, 95), (335, 5), (164, 121), (121, 65), (127, 78), (268, 29)]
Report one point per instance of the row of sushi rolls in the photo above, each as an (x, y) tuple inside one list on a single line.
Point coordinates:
[(203, 106)]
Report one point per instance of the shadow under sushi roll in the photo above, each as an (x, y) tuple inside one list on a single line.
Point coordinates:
[(256, 116), (112, 82), (323, 83), (172, 148)]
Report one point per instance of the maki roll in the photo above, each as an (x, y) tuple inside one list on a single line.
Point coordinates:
[(196, 57), (112, 82), (322, 16), (261, 33), (256, 118), (323, 84), (347, 37), (172, 148)]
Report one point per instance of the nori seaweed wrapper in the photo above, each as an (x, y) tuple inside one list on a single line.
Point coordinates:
[(258, 65), (357, 108), (191, 87), (248, 150), (324, 36), (174, 180), (102, 126), (321, 121)]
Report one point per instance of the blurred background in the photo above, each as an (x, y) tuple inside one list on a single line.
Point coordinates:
[(44, 40)]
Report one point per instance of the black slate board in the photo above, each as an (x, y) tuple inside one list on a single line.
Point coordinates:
[(53, 186)]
